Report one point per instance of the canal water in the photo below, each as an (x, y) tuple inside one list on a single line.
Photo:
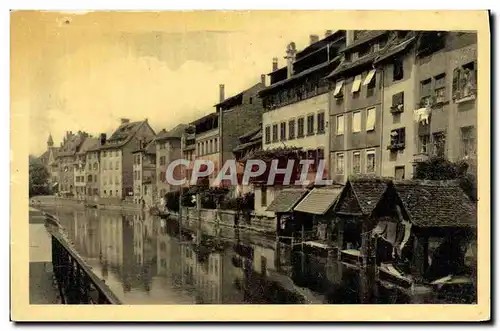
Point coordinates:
[(147, 260)]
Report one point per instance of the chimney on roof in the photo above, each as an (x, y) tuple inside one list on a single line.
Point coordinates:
[(103, 139), (124, 120), (263, 79), (328, 33), (275, 64), (291, 52), (221, 93), (349, 37), (313, 38)]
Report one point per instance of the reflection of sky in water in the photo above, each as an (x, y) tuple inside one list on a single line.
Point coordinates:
[(144, 260)]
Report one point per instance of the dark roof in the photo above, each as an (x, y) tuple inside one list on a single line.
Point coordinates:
[(245, 145), (251, 133), (348, 65), (365, 37), (45, 155), (123, 134), (286, 200), (88, 143), (175, 133), (436, 204), (204, 118), (319, 200), (368, 191), (70, 147), (396, 46), (301, 74), (234, 97), (320, 44)]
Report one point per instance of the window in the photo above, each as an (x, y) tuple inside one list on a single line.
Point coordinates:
[(464, 82), (283, 131), (399, 172), (310, 125), (365, 50), (439, 140), (89, 178), (356, 162), (370, 161), (117, 180), (425, 88), (263, 196), (300, 127), (162, 160), (356, 85), (440, 88), (291, 129), (340, 125), (268, 134), (95, 178), (111, 180), (370, 119), (263, 265), (423, 143), (275, 132), (321, 122), (116, 192), (339, 165), (370, 82), (356, 121), (250, 100), (397, 139), (398, 101), (216, 143), (468, 141), (117, 165), (104, 154), (397, 69)]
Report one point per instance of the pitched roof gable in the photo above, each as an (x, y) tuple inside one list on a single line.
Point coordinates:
[(124, 134), (362, 194)]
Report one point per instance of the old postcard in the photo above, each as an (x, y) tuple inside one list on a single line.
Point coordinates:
[(250, 166)]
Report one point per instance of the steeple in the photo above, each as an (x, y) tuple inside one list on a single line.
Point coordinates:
[(50, 142)]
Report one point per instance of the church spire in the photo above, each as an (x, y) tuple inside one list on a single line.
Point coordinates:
[(50, 141)]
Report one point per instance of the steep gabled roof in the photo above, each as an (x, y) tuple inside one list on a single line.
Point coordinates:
[(88, 143), (70, 147), (124, 134), (362, 194), (436, 203)]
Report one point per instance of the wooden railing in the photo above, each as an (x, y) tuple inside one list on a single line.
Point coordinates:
[(76, 282)]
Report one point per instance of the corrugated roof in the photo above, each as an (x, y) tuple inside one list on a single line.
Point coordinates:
[(319, 200), (286, 200), (436, 204)]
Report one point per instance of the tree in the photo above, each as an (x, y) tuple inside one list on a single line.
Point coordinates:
[(38, 178), (438, 168)]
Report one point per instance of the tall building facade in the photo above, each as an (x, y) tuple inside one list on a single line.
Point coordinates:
[(117, 159)]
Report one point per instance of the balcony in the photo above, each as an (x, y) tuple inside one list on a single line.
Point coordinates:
[(420, 157)]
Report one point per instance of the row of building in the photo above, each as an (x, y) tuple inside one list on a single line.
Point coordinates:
[(365, 102)]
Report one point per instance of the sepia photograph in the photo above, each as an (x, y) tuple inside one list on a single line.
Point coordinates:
[(266, 161)]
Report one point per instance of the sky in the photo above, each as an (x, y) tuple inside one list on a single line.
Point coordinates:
[(73, 72)]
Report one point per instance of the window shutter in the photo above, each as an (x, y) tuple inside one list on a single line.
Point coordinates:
[(456, 80)]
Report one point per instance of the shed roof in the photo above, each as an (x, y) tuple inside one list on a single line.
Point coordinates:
[(286, 200), (436, 203), (319, 200)]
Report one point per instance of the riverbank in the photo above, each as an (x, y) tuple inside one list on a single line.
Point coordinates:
[(100, 203)]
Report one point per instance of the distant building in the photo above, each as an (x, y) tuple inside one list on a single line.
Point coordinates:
[(145, 174), (92, 172), (168, 149), (432, 110), (80, 167), (66, 158), (49, 160), (116, 158), (297, 106), (356, 106), (238, 115)]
